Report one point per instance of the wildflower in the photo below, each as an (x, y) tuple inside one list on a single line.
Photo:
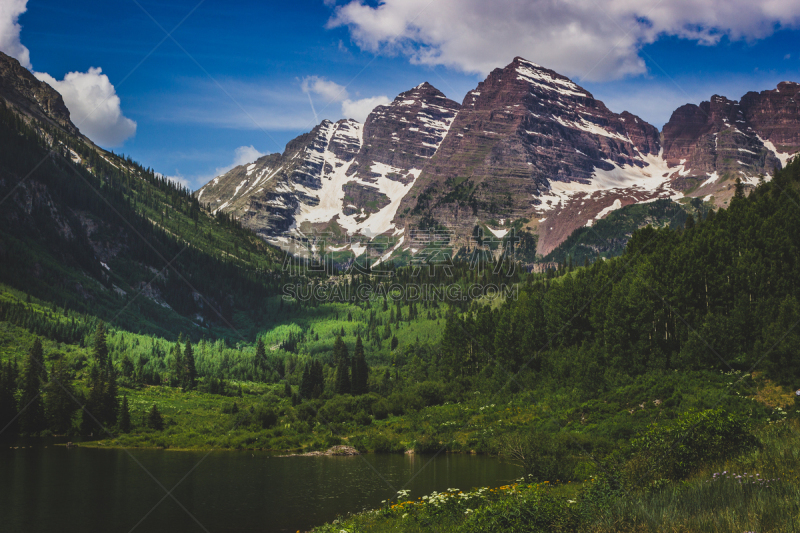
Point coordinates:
[(570, 501)]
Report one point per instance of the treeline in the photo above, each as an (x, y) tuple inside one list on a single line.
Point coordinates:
[(721, 293)]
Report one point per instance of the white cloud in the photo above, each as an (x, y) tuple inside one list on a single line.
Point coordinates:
[(589, 40), (93, 105), (241, 156), (246, 154), (333, 92), (10, 43), (90, 97), (359, 109), (329, 91)]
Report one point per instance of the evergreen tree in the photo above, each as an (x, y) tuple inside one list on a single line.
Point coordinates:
[(689, 222), (176, 365), (739, 193), (60, 397), (110, 398), (317, 379), (287, 389), (190, 371), (360, 370), (91, 413), (342, 360), (154, 419), (100, 348), (124, 416), (261, 357), (8, 401), (306, 383), (31, 419)]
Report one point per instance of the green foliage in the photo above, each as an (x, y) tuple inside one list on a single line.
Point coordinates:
[(154, 419), (536, 511), (676, 449)]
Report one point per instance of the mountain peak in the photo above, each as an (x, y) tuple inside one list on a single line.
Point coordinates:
[(33, 97)]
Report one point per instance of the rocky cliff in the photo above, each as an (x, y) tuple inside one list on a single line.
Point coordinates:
[(35, 98)]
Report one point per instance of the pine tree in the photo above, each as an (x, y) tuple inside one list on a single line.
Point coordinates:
[(8, 402), (100, 348), (190, 371), (110, 398), (154, 419), (287, 389), (124, 416), (60, 397), (360, 371), (31, 419), (260, 361), (317, 379), (91, 412), (342, 360), (689, 222), (176, 365), (739, 193), (306, 383)]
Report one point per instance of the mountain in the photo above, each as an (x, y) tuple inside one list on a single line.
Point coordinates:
[(339, 176), (96, 233), (526, 144), (34, 98), (720, 140)]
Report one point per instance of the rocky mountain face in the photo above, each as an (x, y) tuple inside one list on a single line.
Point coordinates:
[(35, 98), (526, 143), (524, 140), (340, 176)]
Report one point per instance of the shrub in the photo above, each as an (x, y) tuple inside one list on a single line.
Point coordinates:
[(380, 410), (431, 392), (265, 417), (675, 449), (540, 456), (535, 511)]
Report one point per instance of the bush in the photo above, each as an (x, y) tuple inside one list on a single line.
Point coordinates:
[(534, 512), (676, 449), (540, 456), (380, 410), (337, 410), (265, 417), (363, 419), (382, 444), (431, 392)]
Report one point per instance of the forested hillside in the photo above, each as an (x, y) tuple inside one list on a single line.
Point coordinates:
[(89, 230)]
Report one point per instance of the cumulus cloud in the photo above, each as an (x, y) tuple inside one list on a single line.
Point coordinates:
[(595, 40), (10, 43), (333, 92), (359, 109), (93, 105), (329, 91), (90, 97), (241, 156)]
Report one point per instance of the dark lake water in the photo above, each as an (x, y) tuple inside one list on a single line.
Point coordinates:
[(55, 489)]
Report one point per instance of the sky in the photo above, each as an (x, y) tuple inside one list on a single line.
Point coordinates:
[(191, 88)]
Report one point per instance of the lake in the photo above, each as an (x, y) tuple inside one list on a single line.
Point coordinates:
[(55, 489)]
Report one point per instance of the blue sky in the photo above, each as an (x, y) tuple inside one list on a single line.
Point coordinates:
[(230, 85)]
